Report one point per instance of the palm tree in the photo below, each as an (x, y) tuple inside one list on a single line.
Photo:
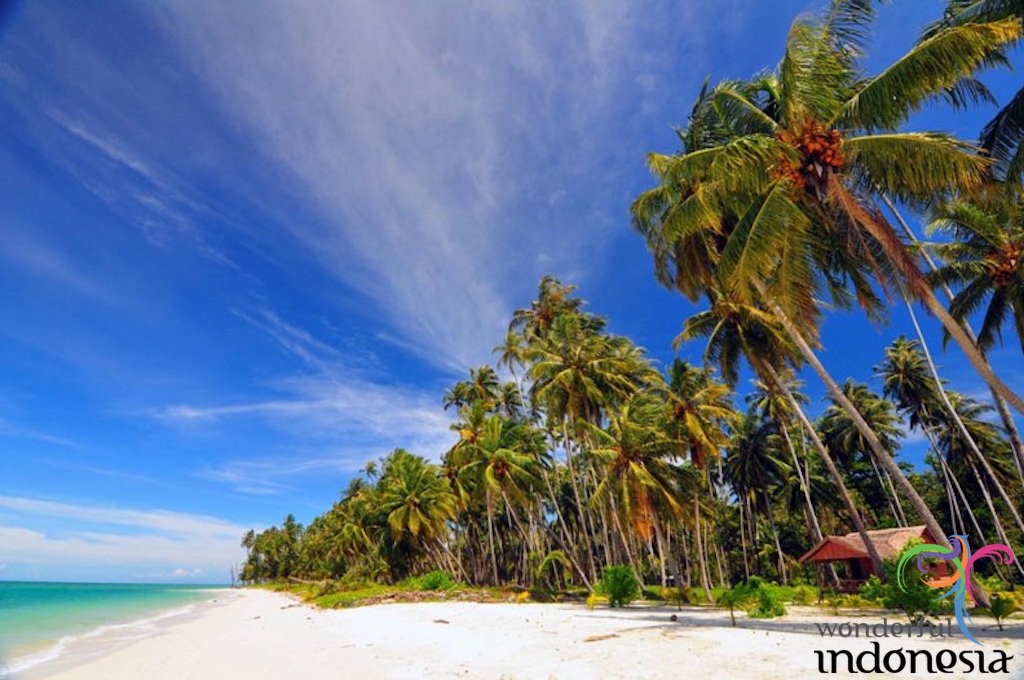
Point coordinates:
[(1002, 136), (506, 456), (772, 194), (985, 260), (841, 434), (734, 330), (790, 189), (633, 452), (772, 406), (415, 500), (752, 465), (700, 410)]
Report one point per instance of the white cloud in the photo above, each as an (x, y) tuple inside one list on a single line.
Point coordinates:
[(428, 138), (53, 533), (344, 412)]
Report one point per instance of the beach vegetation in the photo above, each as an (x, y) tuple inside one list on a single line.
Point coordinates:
[(619, 585)]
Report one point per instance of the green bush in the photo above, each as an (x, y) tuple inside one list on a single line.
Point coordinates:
[(437, 580), (732, 599), (619, 584), (767, 604), (696, 595), (652, 593), (1002, 606), (873, 589), (805, 595)]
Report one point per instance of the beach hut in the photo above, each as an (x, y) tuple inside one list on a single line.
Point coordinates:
[(850, 551)]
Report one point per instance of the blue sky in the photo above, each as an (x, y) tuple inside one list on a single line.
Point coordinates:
[(247, 245)]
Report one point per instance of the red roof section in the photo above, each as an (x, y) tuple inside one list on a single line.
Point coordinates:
[(888, 542)]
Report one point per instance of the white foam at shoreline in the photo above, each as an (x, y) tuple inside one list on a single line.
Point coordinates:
[(68, 645)]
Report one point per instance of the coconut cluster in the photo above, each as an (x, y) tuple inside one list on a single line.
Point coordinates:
[(820, 151)]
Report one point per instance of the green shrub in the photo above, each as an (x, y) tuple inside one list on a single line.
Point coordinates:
[(732, 599), (696, 595), (805, 595), (619, 584), (437, 580), (873, 590), (767, 604), (1001, 607)]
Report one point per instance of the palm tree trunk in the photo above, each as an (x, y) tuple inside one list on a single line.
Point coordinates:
[(743, 542), (490, 540), (970, 349), (702, 563), (883, 457), (566, 533), (991, 508), (774, 528), (589, 537), (960, 423), (900, 520), (804, 485), (661, 552), (837, 478), (1001, 407)]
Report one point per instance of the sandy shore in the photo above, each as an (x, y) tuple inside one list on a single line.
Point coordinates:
[(256, 634)]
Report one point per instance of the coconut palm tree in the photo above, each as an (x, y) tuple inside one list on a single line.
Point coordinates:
[(734, 330), (841, 434), (416, 502), (984, 260), (774, 407), (775, 181), (1003, 135), (633, 453), (808, 147), (753, 465), (505, 460)]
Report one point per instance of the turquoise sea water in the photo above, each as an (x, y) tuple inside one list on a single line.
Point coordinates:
[(38, 620)]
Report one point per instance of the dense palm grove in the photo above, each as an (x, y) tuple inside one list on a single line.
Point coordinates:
[(788, 198)]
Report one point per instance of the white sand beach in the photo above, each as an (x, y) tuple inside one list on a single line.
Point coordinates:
[(255, 634)]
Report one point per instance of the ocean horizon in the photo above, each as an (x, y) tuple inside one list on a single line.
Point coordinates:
[(42, 621)]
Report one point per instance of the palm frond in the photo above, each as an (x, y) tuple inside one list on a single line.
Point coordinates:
[(915, 167), (751, 252), (743, 116), (960, 12), (928, 70), (1002, 137), (847, 23)]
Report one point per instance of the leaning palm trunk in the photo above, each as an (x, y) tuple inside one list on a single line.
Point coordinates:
[(570, 545), (826, 457), (960, 423), (890, 494), (881, 455), (1001, 407), (804, 485), (991, 508), (743, 542), (705, 581), (588, 532)]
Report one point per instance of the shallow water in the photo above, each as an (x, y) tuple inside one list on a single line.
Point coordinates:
[(39, 622)]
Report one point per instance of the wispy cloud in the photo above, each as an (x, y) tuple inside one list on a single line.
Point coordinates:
[(10, 429), (339, 415), (92, 535), (414, 132)]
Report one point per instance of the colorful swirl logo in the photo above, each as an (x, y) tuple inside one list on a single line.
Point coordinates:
[(959, 582)]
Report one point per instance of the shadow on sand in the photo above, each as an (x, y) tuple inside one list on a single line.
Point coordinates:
[(982, 627)]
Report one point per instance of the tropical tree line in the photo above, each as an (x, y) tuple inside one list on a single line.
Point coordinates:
[(794, 193)]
